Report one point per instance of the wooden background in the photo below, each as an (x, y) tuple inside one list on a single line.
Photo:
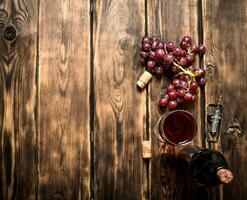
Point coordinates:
[(72, 120)]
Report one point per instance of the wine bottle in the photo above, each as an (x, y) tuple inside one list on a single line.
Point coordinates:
[(207, 167)]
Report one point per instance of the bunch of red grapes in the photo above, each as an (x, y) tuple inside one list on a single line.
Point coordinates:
[(162, 56)]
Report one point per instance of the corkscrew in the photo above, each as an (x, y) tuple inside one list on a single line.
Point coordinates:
[(214, 117)]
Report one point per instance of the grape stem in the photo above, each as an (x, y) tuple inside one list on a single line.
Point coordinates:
[(189, 51), (192, 75)]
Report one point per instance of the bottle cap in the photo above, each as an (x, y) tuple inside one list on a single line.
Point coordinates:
[(224, 175), (144, 79)]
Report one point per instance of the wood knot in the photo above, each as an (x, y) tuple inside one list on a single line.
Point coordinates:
[(58, 196), (211, 69), (124, 44), (3, 16), (234, 130), (9, 32)]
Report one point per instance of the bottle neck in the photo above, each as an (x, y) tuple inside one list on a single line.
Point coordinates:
[(224, 175), (190, 150)]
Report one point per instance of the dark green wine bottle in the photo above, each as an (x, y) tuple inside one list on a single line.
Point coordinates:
[(207, 167)]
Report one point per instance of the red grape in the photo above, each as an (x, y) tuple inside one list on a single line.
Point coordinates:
[(201, 49), (151, 55), (193, 85), (172, 94), (199, 72), (146, 46), (163, 102), (183, 53), (160, 45), (168, 59), (183, 61), (190, 58), (184, 45), (177, 52), (192, 68), (159, 70), (170, 87), (170, 46), (194, 48), (143, 54), (183, 84), (154, 45), (166, 96), (145, 39), (160, 54), (172, 104), (188, 97), (182, 77), (181, 92), (187, 77), (151, 65), (202, 81), (176, 82), (187, 39), (175, 69)]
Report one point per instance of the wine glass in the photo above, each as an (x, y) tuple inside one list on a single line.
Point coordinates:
[(177, 128)]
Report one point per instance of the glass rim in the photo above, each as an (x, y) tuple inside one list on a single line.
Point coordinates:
[(163, 135)]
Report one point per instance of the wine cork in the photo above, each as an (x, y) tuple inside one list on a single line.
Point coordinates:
[(144, 79), (224, 175)]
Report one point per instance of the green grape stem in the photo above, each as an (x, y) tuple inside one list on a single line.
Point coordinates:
[(189, 51), (184, 71)]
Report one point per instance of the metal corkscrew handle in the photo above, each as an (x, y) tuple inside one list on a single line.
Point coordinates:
[(214, 122)]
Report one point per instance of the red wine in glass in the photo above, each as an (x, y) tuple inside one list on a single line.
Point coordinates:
[(177, 127)]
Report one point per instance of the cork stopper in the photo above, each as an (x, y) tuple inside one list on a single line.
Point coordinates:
[(144, 79), (224, 175)]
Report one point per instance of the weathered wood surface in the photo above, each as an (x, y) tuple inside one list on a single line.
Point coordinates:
[(57, 85), (64, 79), (225, 38), (18, 169), (120, 109), (170, 21)]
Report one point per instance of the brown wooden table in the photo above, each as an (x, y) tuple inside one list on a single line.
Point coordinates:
[(74, 125)]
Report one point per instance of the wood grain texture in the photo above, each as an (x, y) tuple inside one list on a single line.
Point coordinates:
[(120, 113), (170, 20), (64, 144), (45, 98), (224, 36), (18, 27)]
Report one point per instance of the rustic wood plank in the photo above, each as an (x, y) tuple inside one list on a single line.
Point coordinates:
[(120, 113), (224, 36), (170, 21), (64, 143), (18, 27)]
